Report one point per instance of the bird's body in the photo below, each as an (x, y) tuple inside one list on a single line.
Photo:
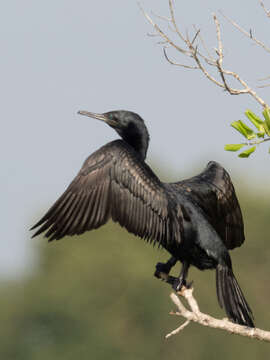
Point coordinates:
[(196, 220)]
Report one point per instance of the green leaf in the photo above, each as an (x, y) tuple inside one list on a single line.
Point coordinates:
[(267, 130), (256, 121), (246, 153), (246, 131), (260, 134), (266, 115), (233, 147)]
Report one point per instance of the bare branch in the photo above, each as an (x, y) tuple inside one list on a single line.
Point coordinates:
[(264, 8), (203, 69), (249, 33), (161, 17), (174, 22), (162, 42), (204, 46), (195, 315), (152, 35), (265, 78), (177, 64), (195, 36), (161, 33), (220, 48), (176, 331), (246, 89), (188, 48), (257, 142), (263, 86)]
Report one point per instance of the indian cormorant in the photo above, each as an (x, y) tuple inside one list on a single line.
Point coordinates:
[(196, 220)]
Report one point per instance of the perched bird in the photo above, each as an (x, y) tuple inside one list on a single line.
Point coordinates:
[(196, 220)]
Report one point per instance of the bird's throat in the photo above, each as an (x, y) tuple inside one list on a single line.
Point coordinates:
[(139, 141)]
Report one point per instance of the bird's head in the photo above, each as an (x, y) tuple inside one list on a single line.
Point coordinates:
[(129, 125)]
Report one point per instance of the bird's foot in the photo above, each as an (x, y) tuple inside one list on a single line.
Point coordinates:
[(162, 271), (179, 283)]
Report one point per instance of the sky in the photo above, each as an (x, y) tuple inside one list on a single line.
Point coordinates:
[(58, 57)]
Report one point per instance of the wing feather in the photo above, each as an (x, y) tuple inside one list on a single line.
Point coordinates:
[(115, 183), (214, 193)]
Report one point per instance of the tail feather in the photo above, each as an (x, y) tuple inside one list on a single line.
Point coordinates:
[(231, 298)]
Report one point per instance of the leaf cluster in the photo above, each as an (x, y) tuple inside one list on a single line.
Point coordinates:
[(254, 137)]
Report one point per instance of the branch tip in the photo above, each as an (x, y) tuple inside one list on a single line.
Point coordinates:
[(201, 60), (195, 315)]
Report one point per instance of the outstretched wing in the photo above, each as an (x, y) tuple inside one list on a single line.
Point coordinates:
[(213, 191), (114, 183)]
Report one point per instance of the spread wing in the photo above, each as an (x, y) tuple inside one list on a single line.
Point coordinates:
[(213, 191), (115, 183)]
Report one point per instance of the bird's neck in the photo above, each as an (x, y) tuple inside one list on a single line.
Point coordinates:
[(139, 140)]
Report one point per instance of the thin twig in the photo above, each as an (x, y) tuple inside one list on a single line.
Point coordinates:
[(161, 17), (220, 48), (195, 315), (249, 33), (264, 8), (174, 22), (162, 34), (195, 36), (176, 331), (181, 36), (246, 89), (188, 48), (175, 63), (204, 46), (265, 78), (152, 35), (257, 142)]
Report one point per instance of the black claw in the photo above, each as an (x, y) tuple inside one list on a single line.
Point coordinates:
[(165, 277), (178, 284), (162, 272), (171, 280)]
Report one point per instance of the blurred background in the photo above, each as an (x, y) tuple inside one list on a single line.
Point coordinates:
[(69, 299)]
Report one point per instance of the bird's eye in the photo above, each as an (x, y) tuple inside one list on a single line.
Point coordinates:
[(111, 116)]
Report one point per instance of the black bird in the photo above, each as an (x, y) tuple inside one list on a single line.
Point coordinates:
[(196, 220)]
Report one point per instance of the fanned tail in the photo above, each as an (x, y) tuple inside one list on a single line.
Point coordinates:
[(231, 298)]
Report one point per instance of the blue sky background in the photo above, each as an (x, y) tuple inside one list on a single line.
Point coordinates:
[(58, 57)]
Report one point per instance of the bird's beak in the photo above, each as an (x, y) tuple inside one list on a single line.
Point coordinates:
[(102, 117)]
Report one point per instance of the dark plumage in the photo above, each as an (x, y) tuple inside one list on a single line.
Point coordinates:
[(196, 220)]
